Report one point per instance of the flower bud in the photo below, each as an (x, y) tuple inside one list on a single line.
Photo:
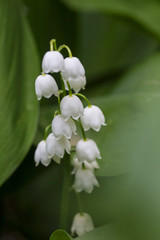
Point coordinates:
[(82, 223), (41, 154), (57, 146), (71, 106), (74, 73), (60, 127), (46, 86), (85, 180), (53, 61), (87, 150), (93, 118)]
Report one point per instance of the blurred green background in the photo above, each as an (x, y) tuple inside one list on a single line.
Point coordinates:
[(118, 42)]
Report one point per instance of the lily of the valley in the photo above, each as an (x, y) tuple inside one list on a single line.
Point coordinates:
[(71, 106), (74, 73), (93, 118), (82, 223), (53, 61), (41, 154), (56, 147), (87, 150), (85, 180), (46, 86), (60, 127)]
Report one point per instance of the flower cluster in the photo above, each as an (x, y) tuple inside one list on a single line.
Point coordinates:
[(63, 126)]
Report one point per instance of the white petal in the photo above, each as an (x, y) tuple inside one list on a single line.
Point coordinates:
[(73, 67), (41, 154), (38, 89), (77, 83), (82, 223), (87, 150), (67, 145), (71, 106), (92, 118), (51, 144), (60, 127), (72, 125), (74, 73), (46, 162), (46, 86), (53, 61), (57, 146), (85, 180)]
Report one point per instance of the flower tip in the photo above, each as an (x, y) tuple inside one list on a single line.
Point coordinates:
[(36, 164), (68, 151), (56, 94)]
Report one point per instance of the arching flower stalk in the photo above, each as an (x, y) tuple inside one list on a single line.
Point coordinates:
[(70, 110)]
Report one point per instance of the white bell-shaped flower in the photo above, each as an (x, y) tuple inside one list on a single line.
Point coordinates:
[(82, 223), (88, 165), (71, 106), (41, 154), (93, 118), (56, 147), (87, 150), (60, 127), (85, 180), (53, 61), (46, 86), (74, 73)]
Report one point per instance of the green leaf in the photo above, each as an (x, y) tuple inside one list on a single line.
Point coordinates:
[(132, 113), (145, 12), (114, 42), (18, 70), (109, 45), (108, 232), (60, 235), (47, 20)]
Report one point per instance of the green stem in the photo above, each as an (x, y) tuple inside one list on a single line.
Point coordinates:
[(69, 88), (68, 49), (73, 149), (56, 113), (82, 129), (53, 45), (62, 85), (79, 202), (46, 131), (59, 102), (59, 99), (65, 196), (86, 99)]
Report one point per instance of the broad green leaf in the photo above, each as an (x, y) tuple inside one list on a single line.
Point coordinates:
[(51, 19), (109, 45), (60, 235), (132, 114), (18, 70), (145, 12), (108, 232), (114, 42)]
